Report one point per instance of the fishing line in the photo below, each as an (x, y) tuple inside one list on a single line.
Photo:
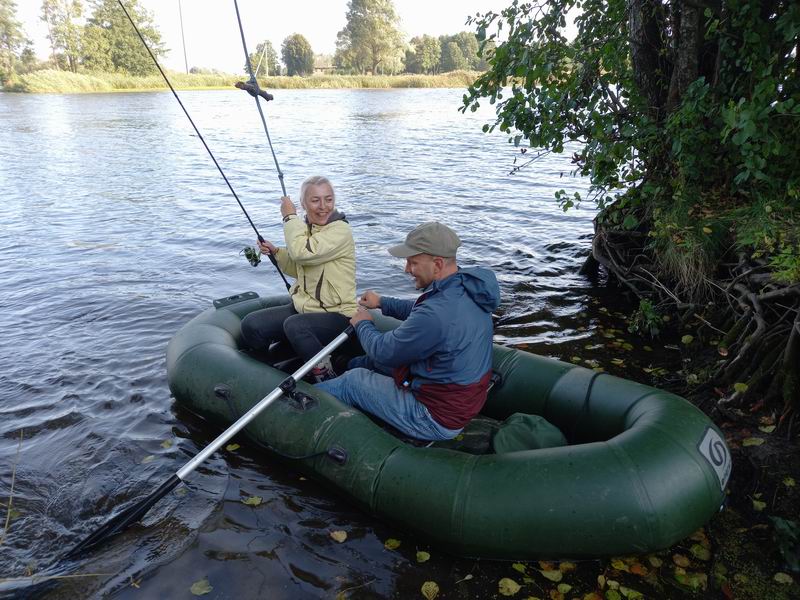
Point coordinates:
[(211, 154), (254, 83)]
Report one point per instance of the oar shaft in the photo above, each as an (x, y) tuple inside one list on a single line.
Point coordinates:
[(251, 414)]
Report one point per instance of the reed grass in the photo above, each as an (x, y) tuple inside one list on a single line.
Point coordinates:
[(65, 82)]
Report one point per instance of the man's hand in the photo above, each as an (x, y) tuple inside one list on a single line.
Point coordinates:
[(287, 207), (267, 247), (370, 299), (362, 314)]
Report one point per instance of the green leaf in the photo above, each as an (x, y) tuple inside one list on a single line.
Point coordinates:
[(232, 447), (520, 567), (554, 575), (740, 387), (752, 441), (423, 556), (687, 339), (253, 501), (700, 552), (391, 544)]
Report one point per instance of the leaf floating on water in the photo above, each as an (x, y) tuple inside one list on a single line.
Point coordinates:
[(740, 387), (655, 561), (253, 501), (613, 595), (619, 564), (630, 594), (520, 567), (13, 514), (423, 556), (148, 458), (339, 535), (391, 544), (564, 587), (783, 578), (639, 569), (752, 441), (700, 552), (788, 481), (681, 560), (758, 505), (706, 230), (696, 581), (565, 567), (200, 588), (508, 587), (767, 428), (430, 589), (554, 575), (687, 339), (232, 447), (181, 491), (166, 444)]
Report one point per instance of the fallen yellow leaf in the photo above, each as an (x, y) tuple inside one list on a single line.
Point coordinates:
[(430, 589), (200, 588), (423, 556), (232, 447), (391, 544), (253, 501), (339, 535), (508, 587)]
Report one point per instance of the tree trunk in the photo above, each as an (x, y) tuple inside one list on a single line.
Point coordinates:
[(687, 54), (647, 53)]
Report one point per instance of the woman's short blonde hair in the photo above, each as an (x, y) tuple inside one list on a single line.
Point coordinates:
[(314, 180)]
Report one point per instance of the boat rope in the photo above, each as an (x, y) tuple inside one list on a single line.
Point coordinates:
[(254, 84), (199, 135)]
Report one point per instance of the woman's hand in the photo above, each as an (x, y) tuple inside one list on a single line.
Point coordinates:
[(268, 247), (370, 299), (287, 207)]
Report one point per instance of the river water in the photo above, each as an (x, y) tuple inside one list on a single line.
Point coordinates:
[(117, 229)]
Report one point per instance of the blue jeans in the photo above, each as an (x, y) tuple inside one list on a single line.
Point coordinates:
[(378, 395)]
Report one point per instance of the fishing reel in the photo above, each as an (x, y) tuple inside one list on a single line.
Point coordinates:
[(252, 255)]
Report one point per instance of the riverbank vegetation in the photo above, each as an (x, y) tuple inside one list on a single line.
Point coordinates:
[(101, 52), (685, 117), (63, 82)]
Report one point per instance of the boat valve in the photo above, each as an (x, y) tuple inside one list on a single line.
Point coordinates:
[(223, 392), (337, 455)]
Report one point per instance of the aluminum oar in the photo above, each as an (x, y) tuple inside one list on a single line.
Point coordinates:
[(134, 513)]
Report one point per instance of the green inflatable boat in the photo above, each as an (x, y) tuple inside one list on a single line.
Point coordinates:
[(636, 469)]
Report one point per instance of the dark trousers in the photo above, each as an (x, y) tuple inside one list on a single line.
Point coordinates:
[(308, 333)]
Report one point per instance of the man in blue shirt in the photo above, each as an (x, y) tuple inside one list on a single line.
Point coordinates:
[(430, 375)]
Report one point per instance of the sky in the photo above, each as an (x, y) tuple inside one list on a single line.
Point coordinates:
[(212, 33)]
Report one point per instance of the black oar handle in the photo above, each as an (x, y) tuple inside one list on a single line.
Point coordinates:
[(126, 518)]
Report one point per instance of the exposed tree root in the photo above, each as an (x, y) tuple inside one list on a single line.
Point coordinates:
[(753, 319)]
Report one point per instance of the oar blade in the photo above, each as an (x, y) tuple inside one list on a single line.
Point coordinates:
[(124, 519)]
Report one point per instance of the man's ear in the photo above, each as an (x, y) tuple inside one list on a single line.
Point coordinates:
[(438, 261)]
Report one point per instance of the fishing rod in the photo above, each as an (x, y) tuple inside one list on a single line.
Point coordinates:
[(249, 253), (254, 84)]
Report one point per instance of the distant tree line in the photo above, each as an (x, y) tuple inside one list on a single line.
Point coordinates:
[(95, 36)]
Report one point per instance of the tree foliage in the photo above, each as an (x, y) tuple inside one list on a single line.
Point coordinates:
[(424, 55), (12, 38), (111, 44), (685, 117), (297, 55), (264, 60), (371, 39), (678, 108), (63, 32)]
